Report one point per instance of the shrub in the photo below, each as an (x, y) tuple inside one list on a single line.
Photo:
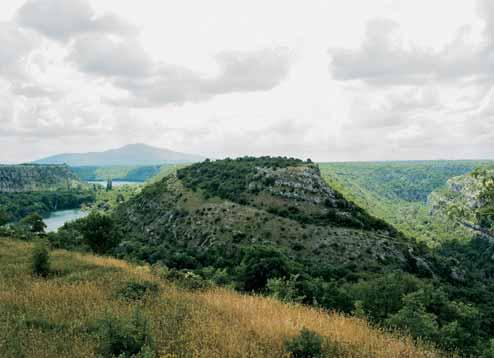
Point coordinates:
[(125, 338), (134, 290), (34, 222), (40, 260), (285, 289), (307, 344)]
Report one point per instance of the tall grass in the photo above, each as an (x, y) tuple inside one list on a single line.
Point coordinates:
[(59, 316)]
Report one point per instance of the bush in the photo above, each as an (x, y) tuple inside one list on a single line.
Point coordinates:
[(134, 290), (40, 260), (307, 344), (34, 222), (285, 289), (125, 339)]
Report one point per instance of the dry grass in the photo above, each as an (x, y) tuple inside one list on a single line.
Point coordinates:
[(53, 317)]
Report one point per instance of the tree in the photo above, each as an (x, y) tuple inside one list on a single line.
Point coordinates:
[(259, 265), (4, 217), (40, 260), (98, 233), (109, 185), (35, 223)]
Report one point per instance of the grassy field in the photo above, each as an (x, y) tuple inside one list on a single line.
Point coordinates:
[(68, 314)]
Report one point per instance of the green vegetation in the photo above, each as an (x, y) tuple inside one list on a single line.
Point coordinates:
[(19, 205), (307, 344), (273, 227), (98, 233), (40, 260), (397, 192), (34, 223)]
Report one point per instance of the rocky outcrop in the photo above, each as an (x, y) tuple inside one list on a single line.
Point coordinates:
[(32, 177), (465, 201)]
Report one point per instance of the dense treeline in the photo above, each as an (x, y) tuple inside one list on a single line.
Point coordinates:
[(19, 205), (408, 181)]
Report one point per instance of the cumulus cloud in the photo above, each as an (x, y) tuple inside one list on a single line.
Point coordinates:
[(63, 19), (384, 58), (238, 72), (16, 45), (100, 55), (105, 46)]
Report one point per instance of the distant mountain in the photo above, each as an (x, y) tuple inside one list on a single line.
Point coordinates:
[(132, 154)]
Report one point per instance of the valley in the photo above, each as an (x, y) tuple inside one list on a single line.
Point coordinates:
[(373, 241)]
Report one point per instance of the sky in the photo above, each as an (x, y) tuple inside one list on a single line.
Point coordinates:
[(328, 80)]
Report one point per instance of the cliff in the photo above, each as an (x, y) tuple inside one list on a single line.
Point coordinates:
[(33, 177)]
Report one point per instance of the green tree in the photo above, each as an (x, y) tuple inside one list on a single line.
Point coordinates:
[(34, 222), (414, 318), (98, 233), (40, 260), (307, 344), (259, 265), (4, 217)]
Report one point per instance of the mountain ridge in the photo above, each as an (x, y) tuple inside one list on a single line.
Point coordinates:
[(130, 154)]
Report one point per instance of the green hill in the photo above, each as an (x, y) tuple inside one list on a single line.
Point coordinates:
[(398, 193), (222, 209)]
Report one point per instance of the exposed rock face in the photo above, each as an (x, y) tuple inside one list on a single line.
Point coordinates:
[(32, 177), (465, 201), (299, 183)]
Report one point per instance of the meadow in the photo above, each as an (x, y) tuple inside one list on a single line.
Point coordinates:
[(90, 306)]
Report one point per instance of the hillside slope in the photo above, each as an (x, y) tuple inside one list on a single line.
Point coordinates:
[(398, 193), (81, 307), (467, 201), (231, 205), (129, 155), (32, 177)]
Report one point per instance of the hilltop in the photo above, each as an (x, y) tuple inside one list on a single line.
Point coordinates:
[(129, 155), (92, 306)]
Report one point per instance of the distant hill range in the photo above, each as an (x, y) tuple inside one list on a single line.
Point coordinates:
[(130, 155)]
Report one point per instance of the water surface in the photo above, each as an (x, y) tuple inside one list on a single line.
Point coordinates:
[(58, 218), (115, 183)]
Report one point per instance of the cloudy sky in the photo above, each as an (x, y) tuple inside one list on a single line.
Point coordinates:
[(330, 80)]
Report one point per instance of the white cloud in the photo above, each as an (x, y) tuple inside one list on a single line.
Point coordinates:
[(63, 19)]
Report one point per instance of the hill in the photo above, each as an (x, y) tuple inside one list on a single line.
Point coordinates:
[(230, 206), (95, 306), (398, 192), (467, 201), (35, 188), (32, 177), (129, 155)]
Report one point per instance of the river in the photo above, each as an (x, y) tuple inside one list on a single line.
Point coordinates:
[(58, 218), (115, 183)]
